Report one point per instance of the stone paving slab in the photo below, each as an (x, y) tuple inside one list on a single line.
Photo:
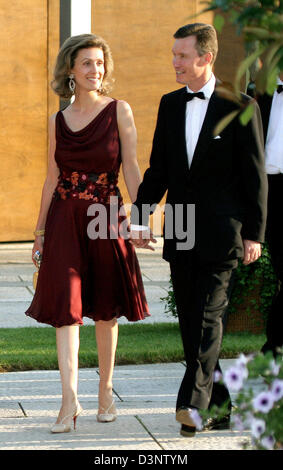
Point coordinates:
[(17, 269), (34, 434), (151, 384), (12, 315), (160, 274), (145, 398), (15, 253), (12, 294), (9, 279), (10, 409)]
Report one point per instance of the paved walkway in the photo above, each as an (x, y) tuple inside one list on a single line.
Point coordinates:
[(145, 398), (145, 395)]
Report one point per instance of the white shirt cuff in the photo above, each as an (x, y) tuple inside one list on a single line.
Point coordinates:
[(139, 227)]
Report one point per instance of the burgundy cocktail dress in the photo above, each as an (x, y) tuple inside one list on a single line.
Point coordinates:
[(82, 274)]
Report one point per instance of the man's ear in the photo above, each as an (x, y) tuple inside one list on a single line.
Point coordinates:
[(207, 58)]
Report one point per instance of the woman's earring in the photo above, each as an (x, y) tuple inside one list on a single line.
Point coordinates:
[(72, 83)]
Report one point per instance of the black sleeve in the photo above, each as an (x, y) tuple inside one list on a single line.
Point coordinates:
[(251, 155)]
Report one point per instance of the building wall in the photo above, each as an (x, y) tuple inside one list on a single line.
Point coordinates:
[(25, 31)]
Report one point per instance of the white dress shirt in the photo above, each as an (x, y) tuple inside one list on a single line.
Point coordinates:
[(195, 108), (195, 114), (274, 139)]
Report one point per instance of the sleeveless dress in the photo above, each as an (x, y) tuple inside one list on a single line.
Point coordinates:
[(89, 267)]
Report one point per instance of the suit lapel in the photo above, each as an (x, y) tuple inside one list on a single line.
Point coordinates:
[(180, 129), (209, 123), (265, 102)]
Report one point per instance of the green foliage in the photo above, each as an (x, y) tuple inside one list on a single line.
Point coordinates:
[(260, 23), (249, 413), (265, 14), (254, 284), (218, 22), (170, 302), (247, 114)]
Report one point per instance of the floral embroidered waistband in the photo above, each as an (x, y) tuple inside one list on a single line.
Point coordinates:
[(90, 186)]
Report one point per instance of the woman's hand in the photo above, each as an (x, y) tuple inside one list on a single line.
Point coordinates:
[(37, 246)]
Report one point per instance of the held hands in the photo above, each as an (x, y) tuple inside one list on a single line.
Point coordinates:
[(142, 238), (252, 251)]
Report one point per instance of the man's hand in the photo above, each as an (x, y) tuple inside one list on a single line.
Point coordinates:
[(252, 251), (142, 238)]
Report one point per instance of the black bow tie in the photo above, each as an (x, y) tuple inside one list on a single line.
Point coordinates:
[(279, 88), (191, 96)]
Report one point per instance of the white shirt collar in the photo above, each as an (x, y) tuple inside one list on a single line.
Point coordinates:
[(279, 82), (208, 88)]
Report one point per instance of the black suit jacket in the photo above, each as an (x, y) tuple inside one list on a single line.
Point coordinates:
[(226, 180), (265, 101)]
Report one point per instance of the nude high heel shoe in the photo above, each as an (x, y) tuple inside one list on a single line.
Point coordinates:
[(61, 427), (107, 417)]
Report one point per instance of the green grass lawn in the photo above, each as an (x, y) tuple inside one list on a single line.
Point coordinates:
[(35, 348)]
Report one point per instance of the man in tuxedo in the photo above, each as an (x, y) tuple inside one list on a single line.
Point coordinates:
[(272, 118), (223, 178)]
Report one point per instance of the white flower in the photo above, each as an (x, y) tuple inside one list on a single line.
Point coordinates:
[(257, 427), (263, 402), (275, 368), (217, 376), (277, 389), (241, 362), (233, 378), (245, 372), (237, 423), (194, 414), (268, 442), (249, 417)]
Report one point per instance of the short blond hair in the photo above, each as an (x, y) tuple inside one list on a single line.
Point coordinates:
[(66, 60)]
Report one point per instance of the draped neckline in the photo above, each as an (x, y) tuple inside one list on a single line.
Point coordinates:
[(87, 125)]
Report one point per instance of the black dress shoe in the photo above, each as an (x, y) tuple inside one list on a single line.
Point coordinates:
[(188, 428), (217, 423), (187, 431)]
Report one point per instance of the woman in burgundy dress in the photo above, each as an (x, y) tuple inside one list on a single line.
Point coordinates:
[(85, 271)]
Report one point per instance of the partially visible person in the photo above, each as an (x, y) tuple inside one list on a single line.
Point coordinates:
[(82, 275), (272, 118)]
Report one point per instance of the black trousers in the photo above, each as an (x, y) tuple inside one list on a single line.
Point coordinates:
[(201, 299), (274, 238)]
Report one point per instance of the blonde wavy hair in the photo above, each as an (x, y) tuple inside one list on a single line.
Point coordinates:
[(66, 60)]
